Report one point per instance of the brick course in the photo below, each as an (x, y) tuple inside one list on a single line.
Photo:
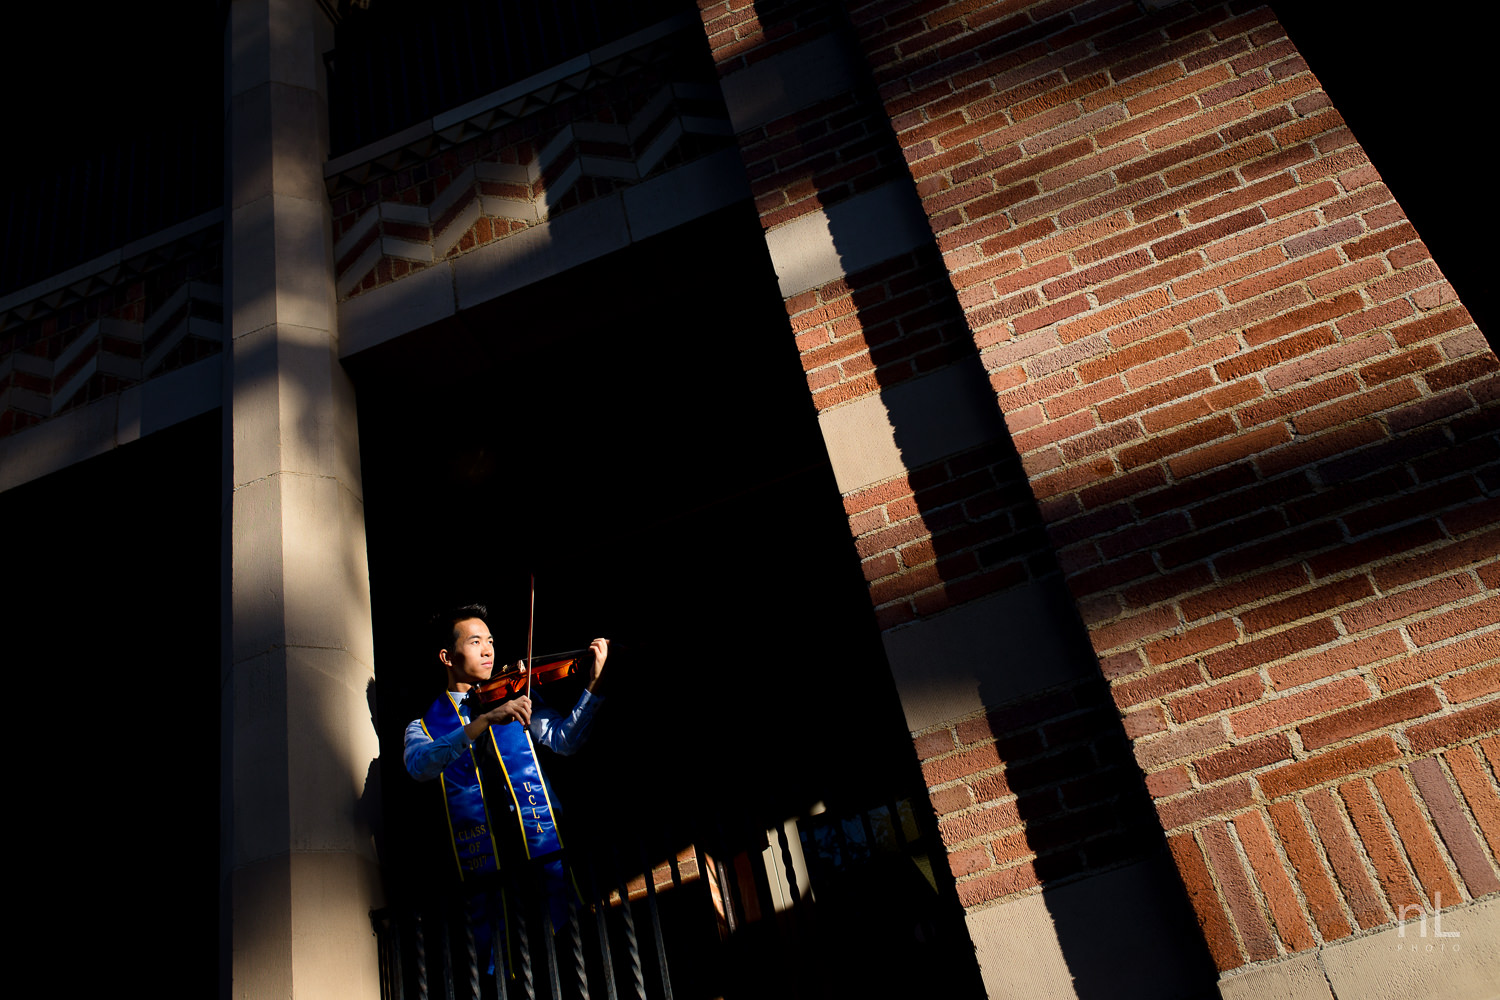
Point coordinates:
[(1256, 426), (131, 299), (1038, 791)]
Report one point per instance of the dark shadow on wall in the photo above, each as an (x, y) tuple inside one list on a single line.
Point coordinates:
[(1319, 510), (1413, 97), (1078, 792)]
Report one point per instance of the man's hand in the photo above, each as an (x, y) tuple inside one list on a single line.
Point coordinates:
[(518, 709), (600, 649)]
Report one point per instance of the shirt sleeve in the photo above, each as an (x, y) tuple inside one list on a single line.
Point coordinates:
[(425, 757), (561, 733)]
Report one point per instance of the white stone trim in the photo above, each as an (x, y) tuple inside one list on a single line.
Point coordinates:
[(191, 326), (416, 215), (788, 81), (115, 258), (968, 658), (1405, 962), (363, 265), (552, 246), (538, 207), (96, 428), (356, 232), (166, 310), (406, 249), (552, 149), (462, 185), (659, 147), (854, 234), (558, 189), (500, 207), (679, 196), (909, 424), (1118, 934), (69, 354), (447, 239)]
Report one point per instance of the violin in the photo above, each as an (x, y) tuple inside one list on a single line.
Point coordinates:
[(511, 680)]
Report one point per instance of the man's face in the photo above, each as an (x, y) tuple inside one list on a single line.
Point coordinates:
[(472, 657)]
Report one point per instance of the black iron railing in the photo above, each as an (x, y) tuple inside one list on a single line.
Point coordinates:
[(397, 64), (608, 945), (794, 910)]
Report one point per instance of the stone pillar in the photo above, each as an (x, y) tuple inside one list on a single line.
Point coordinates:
[(298, 736)]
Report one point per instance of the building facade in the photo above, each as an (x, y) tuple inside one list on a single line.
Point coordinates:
[(1166, 453)]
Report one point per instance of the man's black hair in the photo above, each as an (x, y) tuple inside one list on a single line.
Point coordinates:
[(445, 623)]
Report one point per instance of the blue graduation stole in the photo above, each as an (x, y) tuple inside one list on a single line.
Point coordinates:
[(470, 825)]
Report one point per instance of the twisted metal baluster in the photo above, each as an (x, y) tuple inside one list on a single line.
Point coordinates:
[(549, 939), (528, 980), (471, 952), (661, 945), (498, 946), (398, 969), (579, 969), (632, 945), (447, 959), (601, 907), (421, 959)]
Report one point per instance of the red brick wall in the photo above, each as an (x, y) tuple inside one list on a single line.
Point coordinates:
[(1260, 427), (1034, 791)]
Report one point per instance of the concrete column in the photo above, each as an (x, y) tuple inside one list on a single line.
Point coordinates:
[(299, 739)]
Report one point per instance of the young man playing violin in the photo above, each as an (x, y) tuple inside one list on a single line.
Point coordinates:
[(518, 814)]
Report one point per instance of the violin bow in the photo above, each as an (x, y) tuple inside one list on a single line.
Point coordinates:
[(530, 628)]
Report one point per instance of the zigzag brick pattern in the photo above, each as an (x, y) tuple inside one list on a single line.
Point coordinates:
[(131, 325), (521, 174)]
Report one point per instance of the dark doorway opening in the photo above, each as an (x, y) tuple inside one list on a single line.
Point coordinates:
[(637, 432)]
